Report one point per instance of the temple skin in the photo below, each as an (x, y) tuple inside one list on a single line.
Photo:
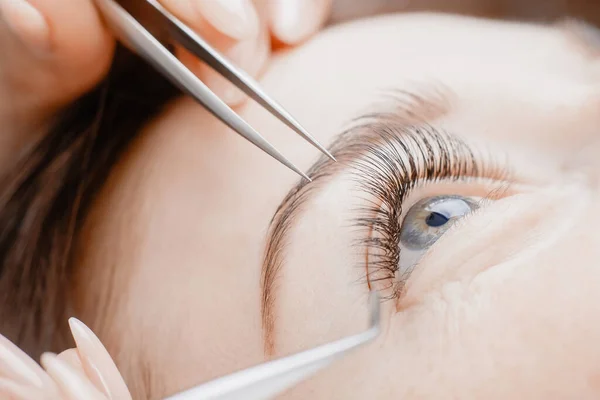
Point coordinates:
[(503, 306)]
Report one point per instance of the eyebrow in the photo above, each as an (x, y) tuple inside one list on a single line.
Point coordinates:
[(400, 108)]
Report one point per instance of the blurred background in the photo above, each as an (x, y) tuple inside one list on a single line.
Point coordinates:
[(529, 10)]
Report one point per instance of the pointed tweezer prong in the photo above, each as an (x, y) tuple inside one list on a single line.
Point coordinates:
[(201, 49), (265, 381), (132, 33)]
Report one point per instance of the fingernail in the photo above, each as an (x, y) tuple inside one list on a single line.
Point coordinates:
[(72, 385), (235, 18), (15, 391), (96, 361), (17, 365), (26, 22), (292, 21), (71, 357)]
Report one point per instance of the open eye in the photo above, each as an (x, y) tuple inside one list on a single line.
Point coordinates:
[(426, 222)]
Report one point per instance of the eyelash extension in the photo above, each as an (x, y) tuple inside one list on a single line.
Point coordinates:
[(396, 160)]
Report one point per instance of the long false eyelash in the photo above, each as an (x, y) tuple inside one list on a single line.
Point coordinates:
[(397, 159)]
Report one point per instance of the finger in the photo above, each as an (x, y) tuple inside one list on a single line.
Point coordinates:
[(82, 34), (293, 21), (72, 384), (71, 357), (26, 22), (97, 363), (190, 13), (235, 18), (17, 366), (207, 18), (63, 55), (11, 390), (250, 55)]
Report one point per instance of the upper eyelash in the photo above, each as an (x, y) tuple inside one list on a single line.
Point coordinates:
[(397, 159)]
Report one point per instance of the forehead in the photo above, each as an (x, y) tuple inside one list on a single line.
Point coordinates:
[(517, 85)]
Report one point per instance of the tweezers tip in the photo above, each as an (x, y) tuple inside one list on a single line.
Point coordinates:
[(374, 310), (324, 150), (328, 154), (295, 169), (304, 133)]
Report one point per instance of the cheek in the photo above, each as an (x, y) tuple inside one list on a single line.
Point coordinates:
[(518, 227), (529, 320), (524, 328), (528, 331)]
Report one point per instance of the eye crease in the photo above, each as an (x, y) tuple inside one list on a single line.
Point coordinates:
[(399, 160)]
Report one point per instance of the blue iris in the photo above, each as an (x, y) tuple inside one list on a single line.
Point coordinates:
[(435, 219)]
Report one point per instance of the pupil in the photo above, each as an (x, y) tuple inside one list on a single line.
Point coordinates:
[(436, 219)]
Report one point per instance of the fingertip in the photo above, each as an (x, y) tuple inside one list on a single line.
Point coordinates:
[(70, 382), (71, 357), (10, 389), (96, 362), (17, 365), (237, 19), (27, 23), (294, 21), (249, 55)]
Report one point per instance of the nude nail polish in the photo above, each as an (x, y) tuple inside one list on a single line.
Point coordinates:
[(15, 391), (235, 18), (71, 357), (16, 365), (97, 363), (27, 23), (71, 384), (293, 21), (290, 19)]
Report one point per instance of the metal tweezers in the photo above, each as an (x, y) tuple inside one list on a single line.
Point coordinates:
[(143, 22), (267, 380)]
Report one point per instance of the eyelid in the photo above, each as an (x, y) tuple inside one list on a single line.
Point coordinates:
[(403, 159), (483, 190)]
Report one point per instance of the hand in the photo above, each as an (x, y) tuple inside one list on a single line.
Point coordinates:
[(86, 372), (246, 31), (53, 51), (56, 50)]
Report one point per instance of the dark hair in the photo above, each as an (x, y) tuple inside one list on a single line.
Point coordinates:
[(45, 198)]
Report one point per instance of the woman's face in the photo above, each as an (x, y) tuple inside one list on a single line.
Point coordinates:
[(491, 129)]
